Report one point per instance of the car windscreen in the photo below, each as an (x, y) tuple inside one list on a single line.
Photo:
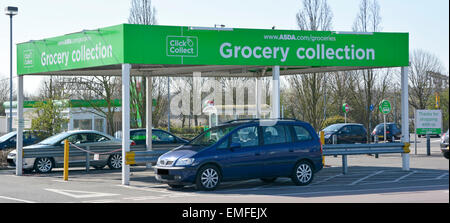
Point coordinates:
[(212, 135), (7, 136), (54, 139), (332, 128)]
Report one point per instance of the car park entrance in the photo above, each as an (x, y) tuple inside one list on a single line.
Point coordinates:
[(141, 50)]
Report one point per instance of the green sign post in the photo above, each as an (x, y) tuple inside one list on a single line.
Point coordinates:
[(385, 108), (345, 109)]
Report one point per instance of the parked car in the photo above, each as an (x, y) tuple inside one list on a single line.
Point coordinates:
[(161, 140), (345, 133), (8, 141), (80, 138), (444, 144), (431, 135), (244, 149), (392, 130)]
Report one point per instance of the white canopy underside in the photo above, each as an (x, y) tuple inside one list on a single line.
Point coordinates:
[(206, 70)]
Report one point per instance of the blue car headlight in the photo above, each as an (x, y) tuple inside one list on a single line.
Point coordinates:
[(184, 162)]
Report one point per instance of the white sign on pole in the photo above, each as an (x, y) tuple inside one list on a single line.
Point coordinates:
[(428, 122), (25, 123)]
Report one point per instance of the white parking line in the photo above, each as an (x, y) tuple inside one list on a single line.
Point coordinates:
[(80, 194), (327, 179), (441, 176), (382, 190), (149, 189), (371, 175), (16, 199), (403, 177)]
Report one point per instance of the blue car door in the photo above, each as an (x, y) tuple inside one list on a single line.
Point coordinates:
[(277, 150), (243, 158)]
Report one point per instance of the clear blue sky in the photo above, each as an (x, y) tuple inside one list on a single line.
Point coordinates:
[(426, 21)]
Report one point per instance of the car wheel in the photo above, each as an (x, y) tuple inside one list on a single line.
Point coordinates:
[(115, 161), (446, 155), (208, 178), (303, 173), (268, 179), (43, 165)]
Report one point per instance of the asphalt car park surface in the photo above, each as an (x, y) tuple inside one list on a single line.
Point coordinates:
[(369, 179)]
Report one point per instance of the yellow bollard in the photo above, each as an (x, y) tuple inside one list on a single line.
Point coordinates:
[(322, 142), (66, 160)]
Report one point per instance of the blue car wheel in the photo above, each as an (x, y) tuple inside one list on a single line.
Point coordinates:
[(208, 178), (303, 173)]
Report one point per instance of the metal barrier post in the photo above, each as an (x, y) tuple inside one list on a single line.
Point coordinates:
[(376, 141), (88, 160), (344, 164), (335, 141), (428, 145), (66, 160)]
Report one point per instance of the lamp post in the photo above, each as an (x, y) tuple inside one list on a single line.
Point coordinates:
[(10, 11)]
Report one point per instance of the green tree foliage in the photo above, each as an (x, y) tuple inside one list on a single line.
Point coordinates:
[(335, 120), (49, 119)]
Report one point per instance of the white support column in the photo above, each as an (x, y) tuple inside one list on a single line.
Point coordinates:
[(275, 92), (20, 120), (126, 69), (258, 97), (148, 115), (405, 115)]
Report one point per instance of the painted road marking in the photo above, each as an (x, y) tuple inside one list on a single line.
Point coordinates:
[(149, 189), (327, 179), (374, 189), (16, 199), (80, 194), (371, 175), (403, 177), (441, 176)]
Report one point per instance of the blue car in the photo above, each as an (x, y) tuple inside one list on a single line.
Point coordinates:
[(8, 141), (244, 149)]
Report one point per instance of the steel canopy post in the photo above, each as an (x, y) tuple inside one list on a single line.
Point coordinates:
[(148, 118), (258, 97), (20, 126), (405, 115), (275, 92), (126, 68)]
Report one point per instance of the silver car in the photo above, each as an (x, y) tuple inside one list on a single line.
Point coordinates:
[(444, 144), (42, 157)]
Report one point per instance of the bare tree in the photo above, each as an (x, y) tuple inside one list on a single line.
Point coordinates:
[(142, 12), (107, 88), (308, 89), (423, 65), (315, 15), (368, 19), (4, 94)]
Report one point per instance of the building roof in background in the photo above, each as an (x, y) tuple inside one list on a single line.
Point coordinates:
[(70, 103)]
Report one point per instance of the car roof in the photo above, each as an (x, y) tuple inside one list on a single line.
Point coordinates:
[(249, 121), (85, 131), (343, 124)]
